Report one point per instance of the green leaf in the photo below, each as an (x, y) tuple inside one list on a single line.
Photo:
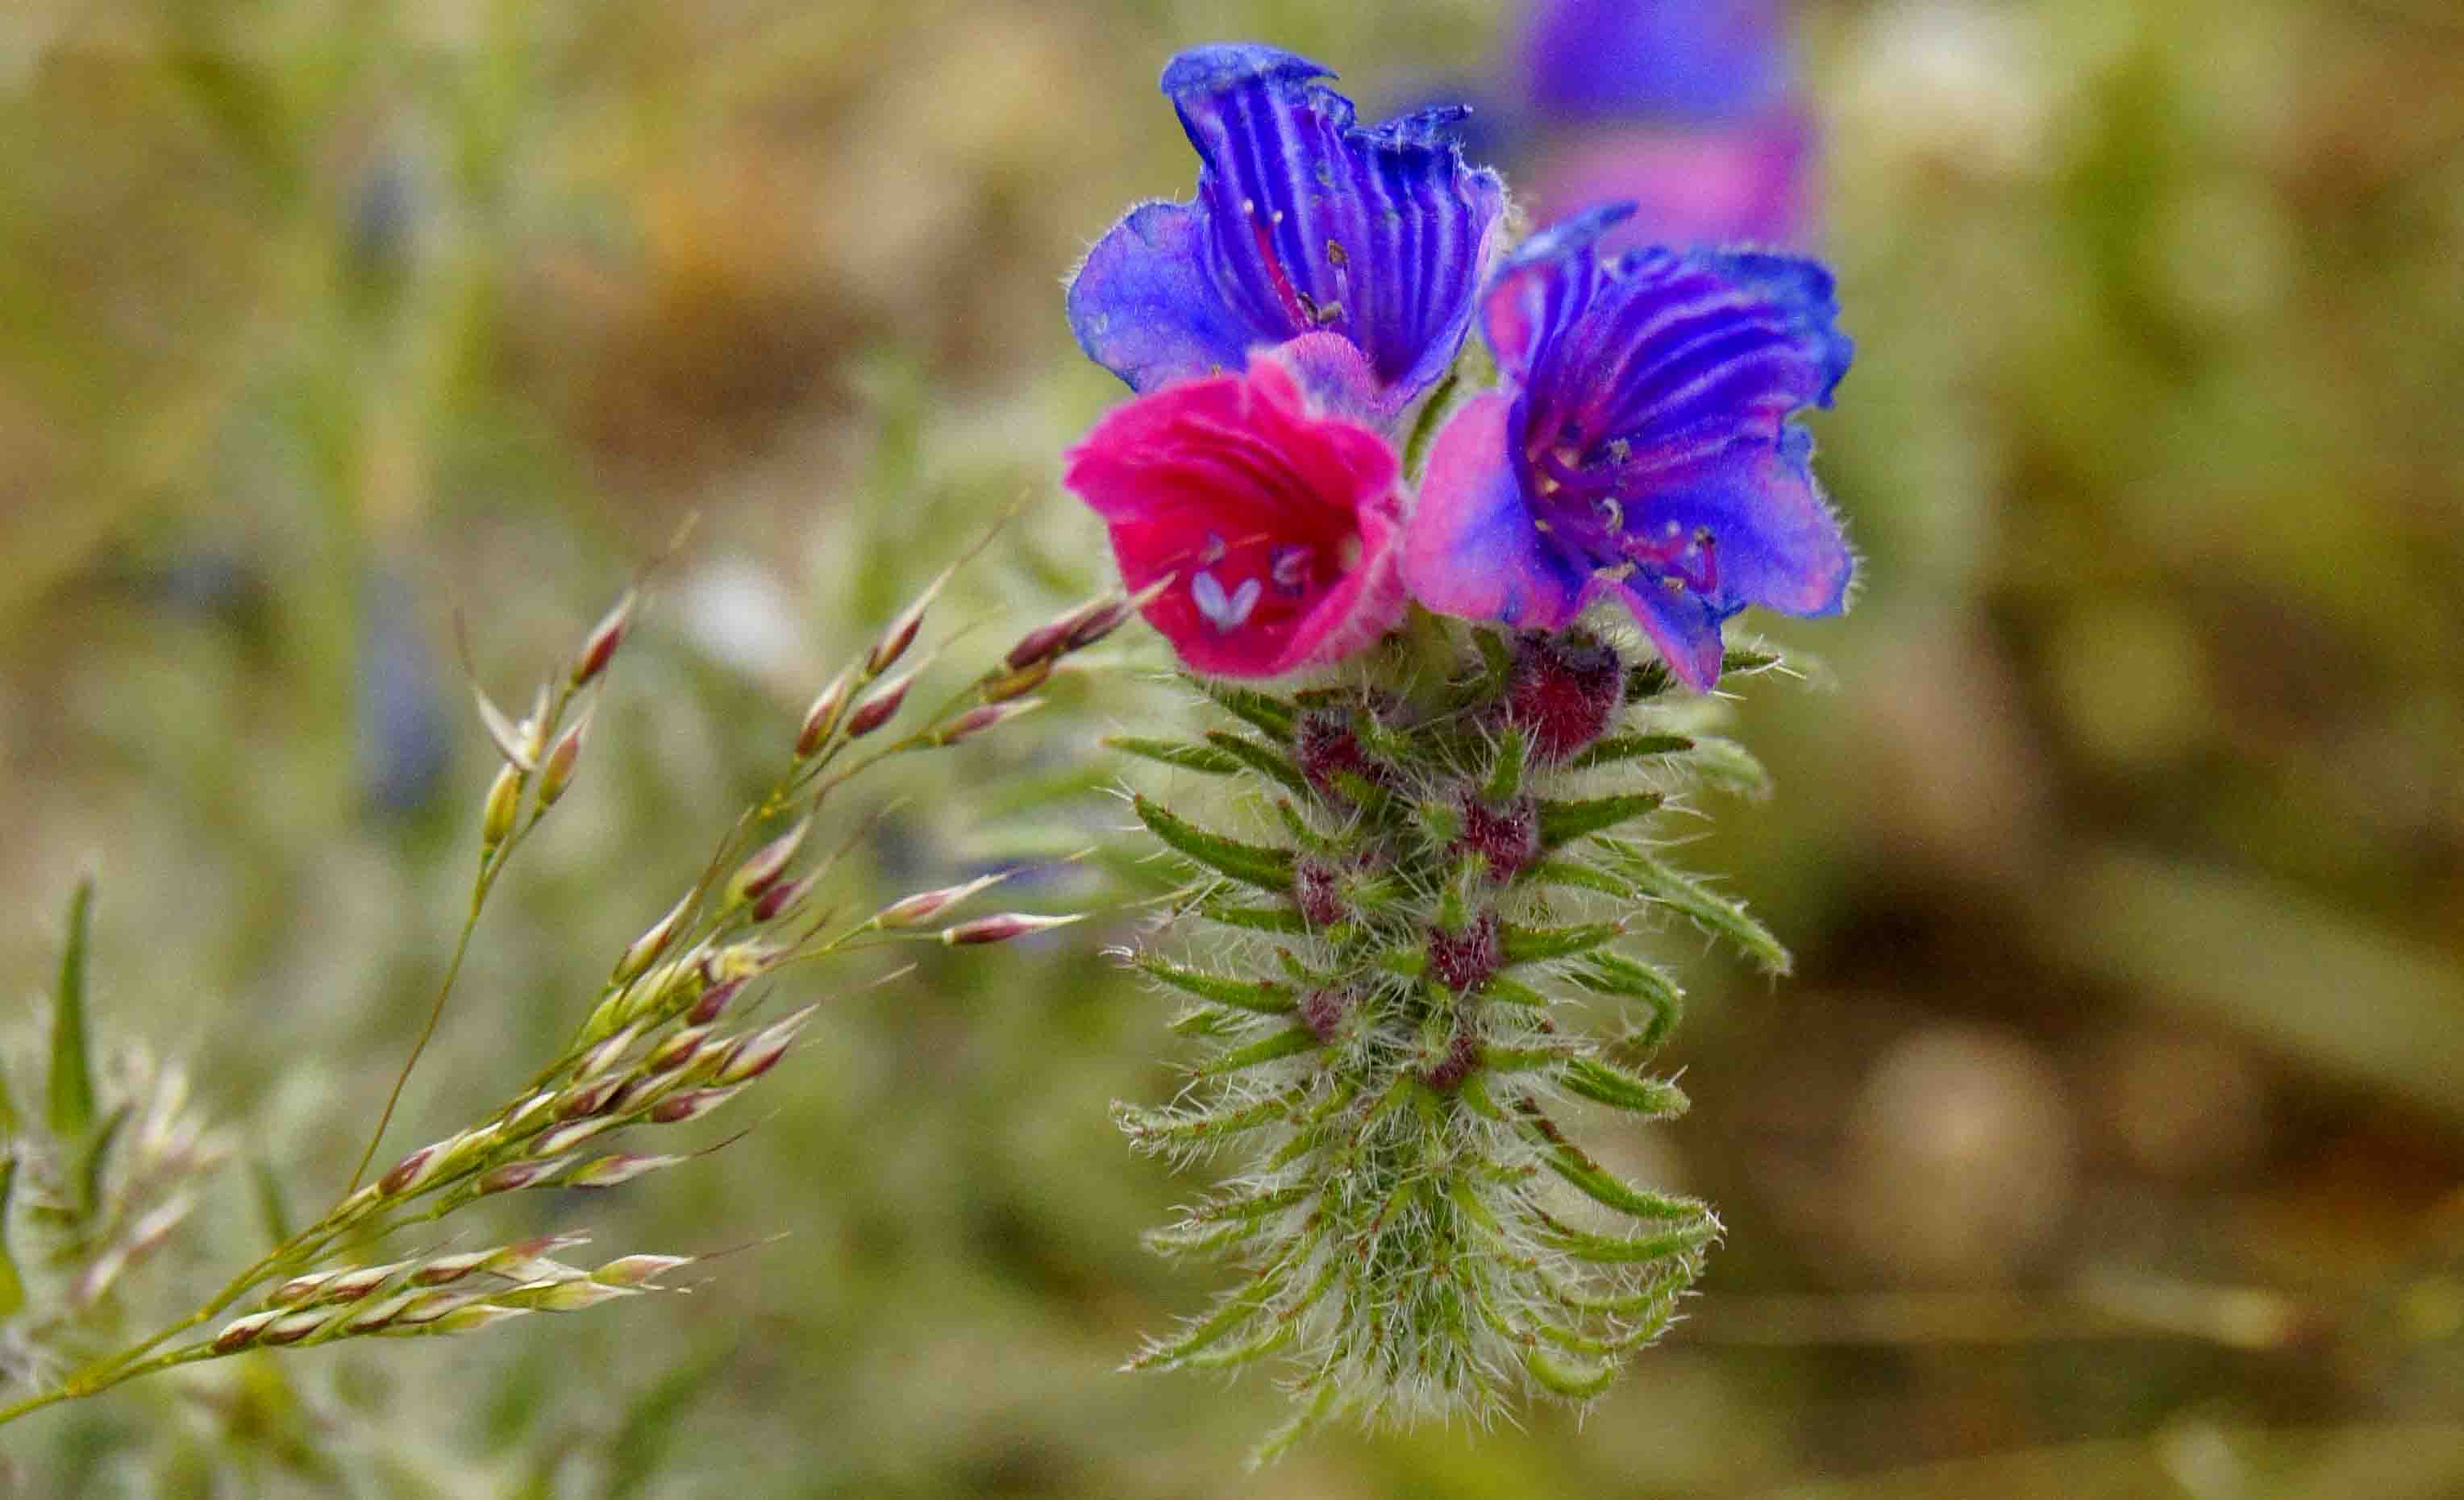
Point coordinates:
[(1579, 875), (97, 1157), (1520, 944), (1698, 904), (1564, 822), (1604, 1189), (72, 1096), (1727, 766), (1258, 758), (1263, 996), (12, 1286), (1282, 1044), (1606, 1083), (1154, 1127), (1254, 864), (1612, 1249), (1272, 717), (1204, 759), (1505, 776), (1616, 974), (1575, 1383), (1618, 749), (1282, 920)]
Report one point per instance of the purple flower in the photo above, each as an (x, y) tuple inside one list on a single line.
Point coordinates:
[(1664, 61), (1304, 223), (1639, 446)]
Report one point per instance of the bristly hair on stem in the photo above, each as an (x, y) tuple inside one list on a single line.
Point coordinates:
[(1383, 1000)]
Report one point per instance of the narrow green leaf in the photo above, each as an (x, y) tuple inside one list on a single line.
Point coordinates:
[(72, 1094), (1727, 766), (1612, 1249), (1618, 749), (1495, 656), (1272, 717), (12, 1286), (1616, 974), (1206, 1020), (1254, 864), (1579, 875), (1522, 1060), (1651, 679), (1265, 998), (1512, 991), (1698, 904), (1255, 918), (1282, 1044), (1204, 759), (97, 1157), (1234, 1311), (1258, 758), (1505, 776), (1520, 944), (1606, 1083), (1575, 1383), (1564, 822), (1152, 1127), (1604, 1189)]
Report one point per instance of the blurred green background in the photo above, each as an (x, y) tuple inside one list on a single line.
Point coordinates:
[(2109, 1141)]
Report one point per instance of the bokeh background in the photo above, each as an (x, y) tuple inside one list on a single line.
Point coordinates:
[(2107, 1140)]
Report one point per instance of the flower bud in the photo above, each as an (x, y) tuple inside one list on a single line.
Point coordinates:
[(514, 1176), (299, 1289), (762, 868), (413, 1170), (621, 1166), (572, 1133), (759, 1052), (529, 1260), (898, 636), (375, 1319), (444, 1268), (822, 717), (587, 1099), (653, 943), (504, 802), (689, 1104), (293, 1327), (1098, 623), (875, 711), (556, 772), (633, 1271), (676, 1051), (599, 648), (712, 1002), (983, 717), (573, 1296), (241, 1331), (913, 911), (1018, 684), (781, 897), (604, 1055), (475, 1316), (1002, 928)]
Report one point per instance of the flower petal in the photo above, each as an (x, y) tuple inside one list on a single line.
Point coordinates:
[(1471, 548), (1304, 221), (1144, 304), (1750, 183), (1776, 542), (1677, 352), (1683, 625), (1278, 522)]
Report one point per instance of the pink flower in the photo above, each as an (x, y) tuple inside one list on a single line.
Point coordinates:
[(1275, 520)]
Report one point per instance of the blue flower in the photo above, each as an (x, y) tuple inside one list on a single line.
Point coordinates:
[(1696, 60), (1304, 223), (1639, 446)]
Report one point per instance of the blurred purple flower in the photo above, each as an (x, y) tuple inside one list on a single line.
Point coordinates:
[(1304, 223), (1682, 107), (1662, 60), (1638, 445)]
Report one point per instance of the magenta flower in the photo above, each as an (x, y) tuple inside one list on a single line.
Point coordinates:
[(1274, 519), (1304, 223), (1639, 446)]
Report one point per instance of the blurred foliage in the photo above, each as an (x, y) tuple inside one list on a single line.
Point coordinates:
[(2108, 1142)]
